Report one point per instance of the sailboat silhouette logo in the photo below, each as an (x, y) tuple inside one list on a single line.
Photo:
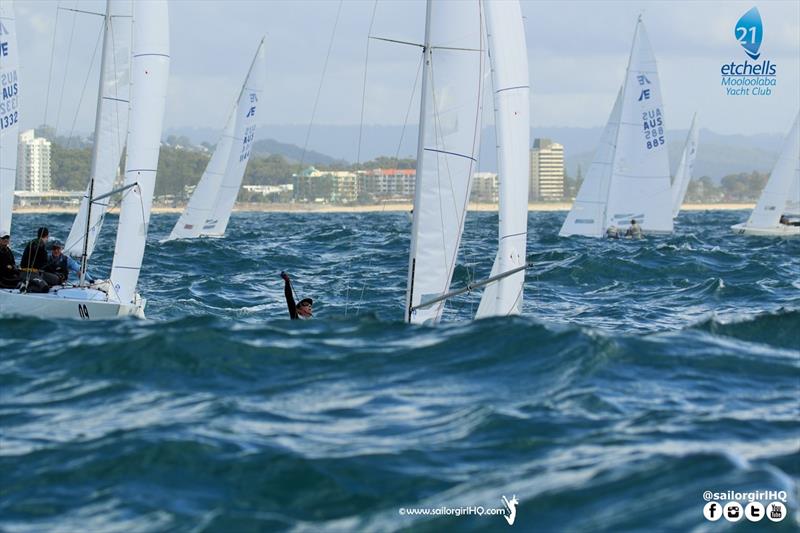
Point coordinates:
[(749, 32)]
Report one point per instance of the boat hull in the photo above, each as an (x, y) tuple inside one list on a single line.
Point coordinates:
[(779, 231), (73, 302)]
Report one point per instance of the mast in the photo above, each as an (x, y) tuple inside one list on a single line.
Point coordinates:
[(97, 126), (426, 54)]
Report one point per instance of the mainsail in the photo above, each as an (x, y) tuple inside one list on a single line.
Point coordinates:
[(111, 126), (149, 72), (509, 60), (780, 196), (9, 111), (447, 149), (685, 168), (210, 206), (640, 184)]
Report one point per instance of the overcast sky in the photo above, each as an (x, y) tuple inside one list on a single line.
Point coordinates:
[(577, 51)]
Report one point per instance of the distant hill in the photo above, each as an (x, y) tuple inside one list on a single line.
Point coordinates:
[(717, 156)]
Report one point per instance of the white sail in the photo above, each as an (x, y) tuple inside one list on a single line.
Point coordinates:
[(111, 125), (149, 74), (640, 184), (9, 111), (685, 168), (587, 215), (453, 77), (210, 206), (509, 60), (782, 183), (793, 200)]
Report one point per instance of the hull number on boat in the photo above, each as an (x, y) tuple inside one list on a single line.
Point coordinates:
[(83, 311)]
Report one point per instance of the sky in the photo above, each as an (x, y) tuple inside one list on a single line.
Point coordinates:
[(577, 53)]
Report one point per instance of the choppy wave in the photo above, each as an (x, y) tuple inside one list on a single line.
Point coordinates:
[(640, 375)]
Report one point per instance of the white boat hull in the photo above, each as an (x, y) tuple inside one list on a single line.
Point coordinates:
[(82, 303), (780, 231)]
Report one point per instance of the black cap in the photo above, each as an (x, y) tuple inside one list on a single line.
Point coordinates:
[(42, 232), (56, 244), (305, 301)]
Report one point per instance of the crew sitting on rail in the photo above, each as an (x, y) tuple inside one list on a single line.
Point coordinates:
[(634, 231), (34, 259), (61, 264), (9, 273)]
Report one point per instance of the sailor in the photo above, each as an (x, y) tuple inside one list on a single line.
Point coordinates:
[(60, 264), (634, 231), (9, 273), (612, 232), (302, 310), (34, 259)]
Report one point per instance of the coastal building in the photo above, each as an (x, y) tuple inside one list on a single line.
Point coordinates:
[(326, 186), (385, 183), (547, 171), (33, 163), (484, 187)]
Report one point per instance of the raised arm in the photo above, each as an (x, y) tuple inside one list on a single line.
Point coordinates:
[(287, 292)]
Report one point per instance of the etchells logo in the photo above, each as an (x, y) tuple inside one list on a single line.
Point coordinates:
[(749, 78)]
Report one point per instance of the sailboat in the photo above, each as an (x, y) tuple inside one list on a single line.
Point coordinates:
[(685, 168), (117, 296), (629, 176), (210, 206), (454, 58), (509, 61), (9, 112), (781, 196)]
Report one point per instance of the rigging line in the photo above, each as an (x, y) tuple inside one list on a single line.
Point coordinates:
[(50, 71), (321, 82), (85, 83), (396, 157), (364, 85), (66, 69)]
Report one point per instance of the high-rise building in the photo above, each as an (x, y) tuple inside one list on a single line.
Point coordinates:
[(33, 163), (547, 171), (484, 187)]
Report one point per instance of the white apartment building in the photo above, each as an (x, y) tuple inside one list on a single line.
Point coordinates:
[(547, 171), (33, 163)]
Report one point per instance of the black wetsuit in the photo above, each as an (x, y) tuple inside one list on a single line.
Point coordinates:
[(9, 273), (287, 291), (34, 256)]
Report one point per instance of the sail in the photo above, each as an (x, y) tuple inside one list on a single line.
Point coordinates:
[(587, 215), (111, 125), (9, 111), (793, 200), (509, 60), (210, 206), (149, 73), (782, 183), (640, 182), (453, 77), (685, 168)]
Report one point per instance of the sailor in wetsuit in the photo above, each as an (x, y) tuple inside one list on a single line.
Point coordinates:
[(302, 310)]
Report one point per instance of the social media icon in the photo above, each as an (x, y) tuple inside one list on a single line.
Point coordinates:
[(754, 511), (733, 511), (712, 511), (776, 511)]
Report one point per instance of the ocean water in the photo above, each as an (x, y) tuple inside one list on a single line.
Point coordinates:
[(641, 374)]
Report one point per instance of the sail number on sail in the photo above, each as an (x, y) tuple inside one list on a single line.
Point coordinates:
[(653, 122)]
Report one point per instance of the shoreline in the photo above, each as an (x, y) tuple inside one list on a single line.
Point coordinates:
[(377, 208)]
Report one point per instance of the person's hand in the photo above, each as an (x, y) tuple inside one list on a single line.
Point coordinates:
[(285, 276)]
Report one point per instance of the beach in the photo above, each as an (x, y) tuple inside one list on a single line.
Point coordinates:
[(371, 208)]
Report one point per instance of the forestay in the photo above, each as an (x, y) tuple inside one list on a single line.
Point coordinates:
[(149, 71), (453, 77), (685, 169), (640, 184), (9, 111), (588, 212), (509, 61), (210, 206), (111, 125), (780, 196)]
